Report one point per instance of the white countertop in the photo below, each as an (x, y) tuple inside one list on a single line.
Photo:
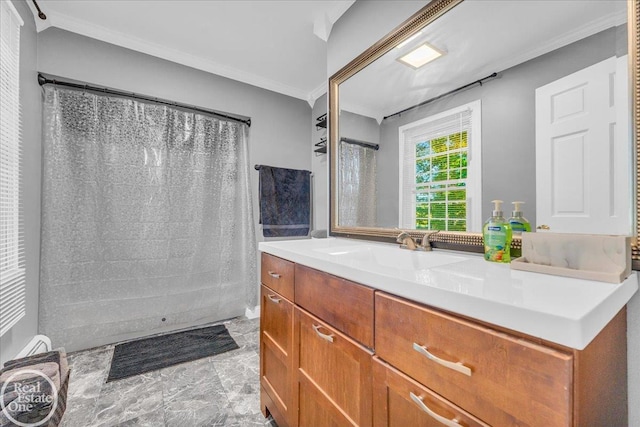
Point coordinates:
[(567, 311)]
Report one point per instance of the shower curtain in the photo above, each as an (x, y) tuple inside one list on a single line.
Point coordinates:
[(357, 188), (146, 219)]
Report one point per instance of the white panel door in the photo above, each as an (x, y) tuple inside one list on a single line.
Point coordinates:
[(583, 149)]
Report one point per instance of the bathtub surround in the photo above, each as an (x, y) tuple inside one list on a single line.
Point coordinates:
[(147, 222)]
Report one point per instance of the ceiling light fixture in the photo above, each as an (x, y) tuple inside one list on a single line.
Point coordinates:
[(421, 55), (413, 37)]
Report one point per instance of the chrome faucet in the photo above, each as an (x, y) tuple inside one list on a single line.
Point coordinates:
[(406, 241), (425, 244)]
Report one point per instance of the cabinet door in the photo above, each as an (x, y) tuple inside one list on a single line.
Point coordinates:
[(334, 375), (276, 357), (399, 401), (499, 378)]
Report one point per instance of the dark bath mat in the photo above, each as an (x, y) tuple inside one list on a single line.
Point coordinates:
[(149, 354)]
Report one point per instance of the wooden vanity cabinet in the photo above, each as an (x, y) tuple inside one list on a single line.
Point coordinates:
[(277, 383), (504, 378), (334, 375), (315, 366), (336, 353)]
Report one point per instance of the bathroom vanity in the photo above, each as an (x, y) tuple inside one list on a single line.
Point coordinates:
[(367, 334)]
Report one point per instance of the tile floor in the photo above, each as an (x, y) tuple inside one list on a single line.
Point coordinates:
[(221, 390)]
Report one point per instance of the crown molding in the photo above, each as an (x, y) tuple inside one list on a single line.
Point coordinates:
[(40, 24), (317, 93), (120, 39), (589, 29)]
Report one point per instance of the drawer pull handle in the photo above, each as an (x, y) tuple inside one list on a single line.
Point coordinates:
[(274, 299), (274, 275), (432, 414), (456, 366), (321, 335)]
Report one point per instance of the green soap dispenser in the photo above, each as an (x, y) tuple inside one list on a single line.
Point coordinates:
[(518, 222), (497, 235)]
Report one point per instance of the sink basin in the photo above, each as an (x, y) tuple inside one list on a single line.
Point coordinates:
[(375, 257)]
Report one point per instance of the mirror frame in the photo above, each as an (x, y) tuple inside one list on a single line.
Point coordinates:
[(468, 242)]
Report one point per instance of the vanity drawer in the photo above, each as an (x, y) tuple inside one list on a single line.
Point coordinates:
[(343, 304), (276, 356), (334, 375), (498, 378), (399, 401), (276, 317), (278, 274)]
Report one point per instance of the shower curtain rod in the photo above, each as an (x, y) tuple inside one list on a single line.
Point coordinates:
[(364, 144), (42, 80), (435, 98)]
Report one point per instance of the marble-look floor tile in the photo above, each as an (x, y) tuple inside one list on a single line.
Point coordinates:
[(129, 398), (193, 395), (151, 419), (256, 420), (220, 390), (240, 377), (89, 370), (243, 326)]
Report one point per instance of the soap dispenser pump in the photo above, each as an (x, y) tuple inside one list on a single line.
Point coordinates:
[(517, 221), (497, 235)]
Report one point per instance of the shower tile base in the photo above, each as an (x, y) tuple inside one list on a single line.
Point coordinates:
[(221, 390)]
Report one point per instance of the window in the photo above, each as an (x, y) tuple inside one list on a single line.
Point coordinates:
[(440, 181), (12, 277)]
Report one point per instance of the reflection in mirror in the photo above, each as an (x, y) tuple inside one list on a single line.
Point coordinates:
[(552, 128)]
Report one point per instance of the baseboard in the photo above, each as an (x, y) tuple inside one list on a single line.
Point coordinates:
[(252, 313)]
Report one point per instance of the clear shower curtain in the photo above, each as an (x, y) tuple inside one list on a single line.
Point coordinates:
[(146, 219), (357, 186)]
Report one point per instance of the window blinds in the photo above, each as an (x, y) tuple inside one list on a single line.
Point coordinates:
[(439, 180), (12, 274)]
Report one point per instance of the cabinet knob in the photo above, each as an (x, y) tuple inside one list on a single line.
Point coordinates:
[(274, 275)]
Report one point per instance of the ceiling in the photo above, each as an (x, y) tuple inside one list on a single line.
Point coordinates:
[(479, 37), (275, 45)]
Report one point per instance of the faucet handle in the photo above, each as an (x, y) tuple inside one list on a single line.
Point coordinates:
[(425, 243), (406, 241)]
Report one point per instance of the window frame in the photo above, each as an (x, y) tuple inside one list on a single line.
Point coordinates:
[(474, 163)]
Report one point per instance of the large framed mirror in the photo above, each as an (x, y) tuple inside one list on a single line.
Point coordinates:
[(520, 101)]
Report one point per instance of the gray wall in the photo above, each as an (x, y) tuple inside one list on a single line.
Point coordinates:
[(279, 135), (368, 21), (319, 167), (359, 127), (508, 126), (14, 340)]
